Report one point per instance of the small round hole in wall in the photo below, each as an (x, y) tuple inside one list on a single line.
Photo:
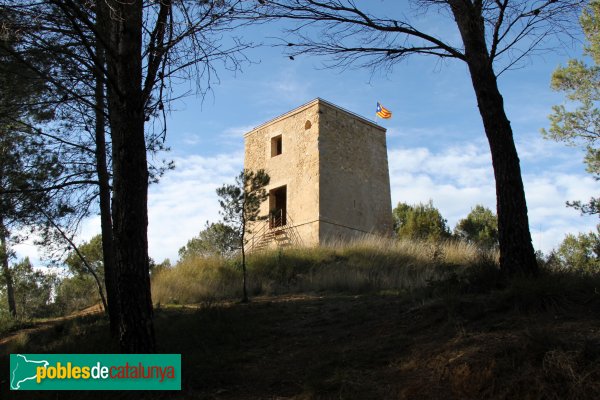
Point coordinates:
[(307, 125)]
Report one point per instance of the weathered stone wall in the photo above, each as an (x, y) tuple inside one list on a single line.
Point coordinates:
[(297, 167), (354, 178), (334, 165)]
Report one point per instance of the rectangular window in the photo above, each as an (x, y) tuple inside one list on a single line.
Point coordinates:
[(276, 146)]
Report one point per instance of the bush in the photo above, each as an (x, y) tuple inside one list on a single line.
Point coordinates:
[(7, 322), (420, 222), (579, 253), (75, 294)]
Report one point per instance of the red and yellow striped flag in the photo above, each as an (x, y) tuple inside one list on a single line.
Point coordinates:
[(383, 112)]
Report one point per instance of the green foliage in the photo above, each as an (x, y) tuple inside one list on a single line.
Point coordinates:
[(580, 126), (7, 322), (33, 290), (75, 293), (580, 253), (590, 22), (80, 290), (92, 252), (479, 227), (240, 205), (22, 92), (26, 162), (25, 165), (240, 202), (420, 222), (155, 268), (216, 239)]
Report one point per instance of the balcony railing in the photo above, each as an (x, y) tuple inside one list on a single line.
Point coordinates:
[(277, 218)]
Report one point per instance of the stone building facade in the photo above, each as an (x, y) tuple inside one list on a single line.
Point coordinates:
[(329, 176)]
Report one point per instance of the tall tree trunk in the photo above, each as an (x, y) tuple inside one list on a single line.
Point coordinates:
[(10, 291), (243, 240), (517, 255), (110, 282), (245, 274), (130, 177)]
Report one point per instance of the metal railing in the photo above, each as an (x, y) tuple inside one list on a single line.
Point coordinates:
[(277, 218), (278, 228)]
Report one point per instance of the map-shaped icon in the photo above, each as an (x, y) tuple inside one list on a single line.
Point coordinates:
[(24, 370)]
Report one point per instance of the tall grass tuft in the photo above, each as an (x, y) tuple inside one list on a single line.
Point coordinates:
[(195, 280), (367, 265)]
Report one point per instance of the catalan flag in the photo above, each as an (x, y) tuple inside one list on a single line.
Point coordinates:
[(383, 112)]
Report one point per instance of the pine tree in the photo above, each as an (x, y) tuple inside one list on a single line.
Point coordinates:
[(581, 84), (240, 206)]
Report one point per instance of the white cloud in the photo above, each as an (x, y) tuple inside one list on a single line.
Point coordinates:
[(289, 87), (237, 132), (191, 139), (28, 249), (89, 228), (185, 198)]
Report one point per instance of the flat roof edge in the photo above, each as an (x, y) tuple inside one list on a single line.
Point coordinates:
[(310, 104)]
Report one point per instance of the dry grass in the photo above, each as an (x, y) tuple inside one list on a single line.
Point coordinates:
[(195, 280), (364, 266)]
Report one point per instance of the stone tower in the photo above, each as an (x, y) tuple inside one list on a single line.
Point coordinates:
[(329, 176)]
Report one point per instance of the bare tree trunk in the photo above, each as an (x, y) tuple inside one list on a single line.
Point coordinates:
[(244, 290), (130, 177), (10, 291), (110, 282), (517, 255)]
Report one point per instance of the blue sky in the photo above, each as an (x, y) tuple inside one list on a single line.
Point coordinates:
[(436, 144)]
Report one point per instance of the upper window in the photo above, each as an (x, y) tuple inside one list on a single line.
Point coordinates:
[(276, 146)]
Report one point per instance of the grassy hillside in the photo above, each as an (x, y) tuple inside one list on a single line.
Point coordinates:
[(372, 265), (452, 330)]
